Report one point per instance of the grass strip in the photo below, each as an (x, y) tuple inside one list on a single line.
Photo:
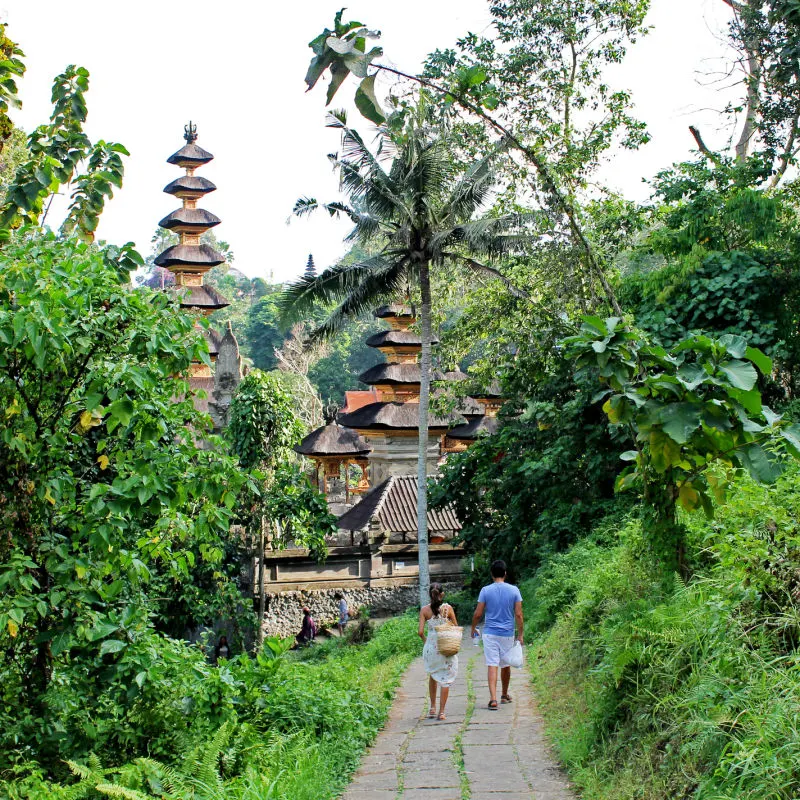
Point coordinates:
[(458, 742)]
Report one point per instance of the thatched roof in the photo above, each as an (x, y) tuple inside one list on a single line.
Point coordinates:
[(396, 338), (491, 392), (455, 375), (395, 310), (394, 503), (388, 416), (203, 297), (190, 218), (474, 427), (190, 155), (333, 440), (190, 255), (190, 183), (393, 374)]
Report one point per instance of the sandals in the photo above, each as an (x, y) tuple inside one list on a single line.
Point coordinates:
[(506, 698), (493, 705), (441, 716), (431, 713)]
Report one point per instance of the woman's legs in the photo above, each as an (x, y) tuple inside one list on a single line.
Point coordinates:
[(432, 691), (445, 693)]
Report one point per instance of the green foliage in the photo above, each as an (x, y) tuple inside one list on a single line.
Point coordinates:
[(11, 68), (56, 152), (269, 727), (264, 333), (730, 293), (546, 69), (300, 509), (263, 425), (684, 691), (685, 409), (343, 51), (347, 357), (101, 482)]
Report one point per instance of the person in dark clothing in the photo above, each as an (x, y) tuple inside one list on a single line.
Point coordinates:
[(308, 630), (222, 650)]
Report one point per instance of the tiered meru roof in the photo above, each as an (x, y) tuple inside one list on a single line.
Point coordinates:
[(189, 260)]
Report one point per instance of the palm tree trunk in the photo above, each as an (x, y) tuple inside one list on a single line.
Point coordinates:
[(422, 460)]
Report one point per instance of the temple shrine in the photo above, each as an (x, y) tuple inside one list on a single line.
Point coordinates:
[(189, 261), (364, 459)]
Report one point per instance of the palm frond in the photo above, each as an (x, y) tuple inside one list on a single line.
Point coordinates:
[(300, 298), (304, 206), (474, 187), (379, 286)]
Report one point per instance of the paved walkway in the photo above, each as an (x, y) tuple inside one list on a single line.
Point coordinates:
[(476, 754)]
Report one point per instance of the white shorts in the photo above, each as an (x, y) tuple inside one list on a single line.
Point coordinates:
[(495, 648)]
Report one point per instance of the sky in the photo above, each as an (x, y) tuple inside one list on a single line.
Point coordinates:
[(236, 69)]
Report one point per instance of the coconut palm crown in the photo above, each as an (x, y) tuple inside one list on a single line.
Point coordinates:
[(420, 209)]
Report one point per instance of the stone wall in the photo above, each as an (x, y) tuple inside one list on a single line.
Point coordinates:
[(284, 614)]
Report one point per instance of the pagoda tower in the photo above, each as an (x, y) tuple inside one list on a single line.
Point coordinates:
[(190, 259), (391, 425)]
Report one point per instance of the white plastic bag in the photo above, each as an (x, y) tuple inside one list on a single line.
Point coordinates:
[(513, 657)]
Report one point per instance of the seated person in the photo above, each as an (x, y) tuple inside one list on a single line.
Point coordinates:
[(308, 631)]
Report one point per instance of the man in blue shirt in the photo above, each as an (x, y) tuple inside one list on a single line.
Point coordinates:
[(502, 604)]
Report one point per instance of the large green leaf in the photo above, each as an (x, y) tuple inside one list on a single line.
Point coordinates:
[(691, 376), (665, 452), (367, 102), (121, 410), (112, 646), (763, 466), (734, 344), (740, 374), (762, 361), (680, 420), (751, 400)]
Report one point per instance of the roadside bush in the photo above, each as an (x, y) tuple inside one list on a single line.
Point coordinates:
[(684, 690), (272, 727)]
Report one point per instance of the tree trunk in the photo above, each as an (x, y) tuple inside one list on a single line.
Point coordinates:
[(752, 78), (422, 460), (666, 535), (262, 589)]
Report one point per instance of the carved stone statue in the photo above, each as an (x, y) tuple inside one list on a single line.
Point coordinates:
[(227, 376)]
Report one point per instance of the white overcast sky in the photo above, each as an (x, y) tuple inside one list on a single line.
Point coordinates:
[(237, 70)]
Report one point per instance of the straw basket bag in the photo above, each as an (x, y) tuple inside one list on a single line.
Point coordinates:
[(448, 639)]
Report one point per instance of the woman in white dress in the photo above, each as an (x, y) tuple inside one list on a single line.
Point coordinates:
[(442, 670)]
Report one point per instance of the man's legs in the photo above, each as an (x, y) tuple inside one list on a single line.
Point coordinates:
[(432, 685), (505, 679), (492, 683)]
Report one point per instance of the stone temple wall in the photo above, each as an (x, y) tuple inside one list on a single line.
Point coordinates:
[(284, 614)]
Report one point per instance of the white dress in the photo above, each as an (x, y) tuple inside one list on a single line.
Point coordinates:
[(443, 669)]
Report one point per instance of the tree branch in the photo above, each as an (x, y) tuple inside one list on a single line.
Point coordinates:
[(702, 146), (541, 168)]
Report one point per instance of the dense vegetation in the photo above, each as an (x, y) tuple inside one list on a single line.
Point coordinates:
[(275, 726), (643, 482), (644, 472)]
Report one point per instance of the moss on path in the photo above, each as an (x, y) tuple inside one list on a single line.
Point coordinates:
[(476, 754)]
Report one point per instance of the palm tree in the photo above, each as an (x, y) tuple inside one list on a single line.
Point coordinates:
[(412, 202)]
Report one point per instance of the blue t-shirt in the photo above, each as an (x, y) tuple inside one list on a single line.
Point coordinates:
[(500, 599)]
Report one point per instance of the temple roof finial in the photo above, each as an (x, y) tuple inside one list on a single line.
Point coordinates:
[(190, 132)]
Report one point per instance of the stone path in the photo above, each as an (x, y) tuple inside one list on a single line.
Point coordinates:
[(476, 754)]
